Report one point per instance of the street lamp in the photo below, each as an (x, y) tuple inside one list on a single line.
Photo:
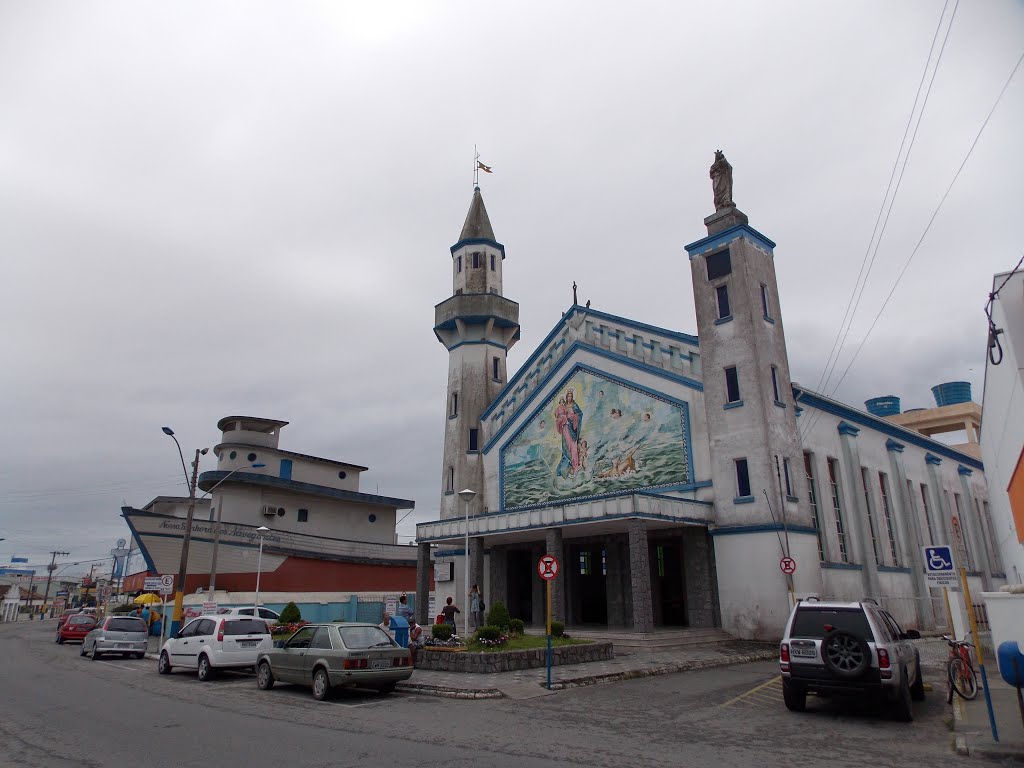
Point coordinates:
[(262, 531), (467, 495), (216, 527), (179, 594)]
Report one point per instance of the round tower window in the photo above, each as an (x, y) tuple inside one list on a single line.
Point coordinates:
[(251, 457), (280, 511), (233, 454), (341, 475), (373, 518)]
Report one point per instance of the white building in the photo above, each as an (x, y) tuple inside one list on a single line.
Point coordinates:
[(670, 473)]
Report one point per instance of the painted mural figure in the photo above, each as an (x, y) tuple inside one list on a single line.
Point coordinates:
[(568, 423)]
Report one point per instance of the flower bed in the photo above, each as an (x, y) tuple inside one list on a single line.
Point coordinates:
[(278, 630)]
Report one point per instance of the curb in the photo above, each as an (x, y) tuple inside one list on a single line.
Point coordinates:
[(450, 693)]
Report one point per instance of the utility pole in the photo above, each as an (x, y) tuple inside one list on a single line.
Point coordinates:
[(31, 581), (179, 595), (49, 576)]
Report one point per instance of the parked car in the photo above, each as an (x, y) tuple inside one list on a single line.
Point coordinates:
[(75, 628), (328, 656), (849, 648), (68, 612), (264, 613), (126, 635), (210, 643)]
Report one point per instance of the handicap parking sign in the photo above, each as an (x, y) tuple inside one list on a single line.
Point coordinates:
[(938, 566)]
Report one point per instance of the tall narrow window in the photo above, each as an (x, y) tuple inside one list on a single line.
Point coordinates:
[(474, 439), (871, 518), (883, 487), (775, 383), (732, 385), (722, 292), (742, 478), (458, 261), (833, 481), (719, 264), (661, 561), (495, 363), (963, 532), (476, 259), (451, 478), (455, 404), (492, 262), (813, 497), (764, 301), (786, 477), (927, 514)]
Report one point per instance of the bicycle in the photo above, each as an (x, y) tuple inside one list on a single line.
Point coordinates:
[(962, 677)]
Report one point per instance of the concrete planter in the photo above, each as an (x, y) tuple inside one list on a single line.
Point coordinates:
[(507, 661)]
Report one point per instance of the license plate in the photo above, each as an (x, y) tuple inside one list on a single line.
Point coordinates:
[(380, 664), (806, 653), (248, 643)]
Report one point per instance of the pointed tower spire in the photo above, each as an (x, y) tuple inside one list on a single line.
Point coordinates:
[(478, 225)]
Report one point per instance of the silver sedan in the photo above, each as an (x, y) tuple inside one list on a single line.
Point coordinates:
[(126, 635), (329, 656)]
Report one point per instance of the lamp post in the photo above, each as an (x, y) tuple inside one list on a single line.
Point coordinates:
[(262, 531), (179, 593), (467, 495), (216, 527)]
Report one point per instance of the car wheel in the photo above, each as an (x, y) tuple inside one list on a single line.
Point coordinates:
[(163, 666), (917, 689), (321, 684), (388, 688), (794, 696), (81, 651), (95, 654), (264, 677), (902, 707), (60, 640), (845, 655), (205, 670)]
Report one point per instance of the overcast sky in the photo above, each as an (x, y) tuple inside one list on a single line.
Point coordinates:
[(246, 208)]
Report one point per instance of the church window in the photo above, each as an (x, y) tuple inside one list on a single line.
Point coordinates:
[(719, 265), (742, 478), (871, 517), (495, 368), (813, 496), (303, 515), (492, 262), (722, 293), (764, 302), (787, 477), (883, 487), (775, 383), (927, 513), (451, 479), (967, 544), (732, 384), (458, 262), (455, 404), (476, 259), (474, 441), (833, 482)]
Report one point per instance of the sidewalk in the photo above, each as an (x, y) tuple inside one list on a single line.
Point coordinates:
[(971, 723), (529, 683)]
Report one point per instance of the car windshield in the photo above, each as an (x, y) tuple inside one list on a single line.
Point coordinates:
[(246, 627), (815, 622), (126, 625), (82, 620), (363, 637)]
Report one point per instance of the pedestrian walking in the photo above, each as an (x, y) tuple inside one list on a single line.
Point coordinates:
[(449, 611), (475, 599)]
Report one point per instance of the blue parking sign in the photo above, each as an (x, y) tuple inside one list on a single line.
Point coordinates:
[(938, 566)]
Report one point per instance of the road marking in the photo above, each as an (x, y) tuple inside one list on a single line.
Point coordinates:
[(758, 694), (119, 666)]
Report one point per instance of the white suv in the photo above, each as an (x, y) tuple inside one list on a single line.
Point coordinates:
[(264, 613), (209, 643)]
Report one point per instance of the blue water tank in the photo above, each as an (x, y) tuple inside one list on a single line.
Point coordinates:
[(952, 392), (1011, 663), (886, 405)]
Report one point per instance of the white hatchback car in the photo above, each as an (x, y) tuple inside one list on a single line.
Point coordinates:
[(265, 613), (210, 643)]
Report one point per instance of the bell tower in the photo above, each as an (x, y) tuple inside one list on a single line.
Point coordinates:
[(477, 326)]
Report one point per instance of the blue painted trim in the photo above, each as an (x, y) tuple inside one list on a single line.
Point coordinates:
[(730, 530), (768, 320), (478, 241), (733, 404), (726, 319), (449, 493), (453, 416), (208, 480), (892, 445), (567, 359), (528, 368), (779, 404), (743, 500), (685, 487), (885, 427), (502, 347), (930, 458), (727, 236), (848, 429), (893, 569), (843, 566), (964, 471), (666, 497)]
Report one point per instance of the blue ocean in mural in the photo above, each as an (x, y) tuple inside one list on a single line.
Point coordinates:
[(592, 437)]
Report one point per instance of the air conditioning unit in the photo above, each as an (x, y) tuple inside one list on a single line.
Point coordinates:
[(269, 511)]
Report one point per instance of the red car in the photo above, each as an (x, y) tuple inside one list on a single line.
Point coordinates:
[(76, 628), (68, 613)]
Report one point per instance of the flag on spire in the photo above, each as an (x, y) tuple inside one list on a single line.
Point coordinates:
[(484, 168)]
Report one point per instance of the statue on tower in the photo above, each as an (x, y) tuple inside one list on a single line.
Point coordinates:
[(721, 181)]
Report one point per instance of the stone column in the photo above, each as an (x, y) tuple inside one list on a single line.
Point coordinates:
[(697, 569), (972, 525), (553, 546), (943, 512), (640, 577), (476, 565), (857, 517), (499, 577), (537, 594), (614, 582), (423, 566)]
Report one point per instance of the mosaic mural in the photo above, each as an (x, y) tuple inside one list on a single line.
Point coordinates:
[(594, 437)]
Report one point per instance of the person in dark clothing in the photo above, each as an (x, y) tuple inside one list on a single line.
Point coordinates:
[(449, 611)]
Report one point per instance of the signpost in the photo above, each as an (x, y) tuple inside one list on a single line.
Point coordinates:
[(938, 566), (547, 568), (165, 586)]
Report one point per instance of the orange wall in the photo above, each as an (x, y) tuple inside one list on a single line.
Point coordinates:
[(1016, 493)]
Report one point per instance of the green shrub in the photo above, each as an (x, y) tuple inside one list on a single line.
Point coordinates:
[(290, 614), (516, 626), (488, 633), (557, 628), (498, 616), (442, 631)]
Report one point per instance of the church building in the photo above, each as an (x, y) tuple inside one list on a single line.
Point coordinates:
[(680, 479)]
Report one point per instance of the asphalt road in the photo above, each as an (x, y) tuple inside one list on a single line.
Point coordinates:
[(59, 710)]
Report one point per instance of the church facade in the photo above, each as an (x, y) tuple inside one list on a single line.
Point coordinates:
[(670, 474)]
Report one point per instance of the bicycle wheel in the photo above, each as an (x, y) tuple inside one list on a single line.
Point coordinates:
[(963, 679)]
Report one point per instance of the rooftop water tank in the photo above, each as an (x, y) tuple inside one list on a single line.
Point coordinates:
[(886, 405), (952, 392)]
